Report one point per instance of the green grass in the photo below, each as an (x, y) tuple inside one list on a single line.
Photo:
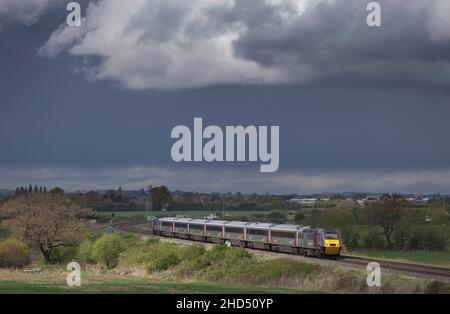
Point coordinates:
[(44, 284), (424, 257)]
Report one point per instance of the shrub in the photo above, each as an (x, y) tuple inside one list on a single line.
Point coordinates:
[(284, 267), (106, 249), (350, 237), (373, 239), (430, 238), (193, 252), (63, 254), (163, 255), (156, 255), (415, 240), (138, 254), (437, 287), (84, 253), (299, 216), (277, 216), (222, 260), (211, 257), (435, 239), (14, 253)]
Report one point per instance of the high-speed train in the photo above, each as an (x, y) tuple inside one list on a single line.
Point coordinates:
[(287, 238)]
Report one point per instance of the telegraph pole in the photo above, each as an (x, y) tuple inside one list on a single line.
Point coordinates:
[(149, 203)]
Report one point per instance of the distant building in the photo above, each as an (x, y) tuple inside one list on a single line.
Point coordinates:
[(418, 201), (307, 201), (212, 216), (369, 200)]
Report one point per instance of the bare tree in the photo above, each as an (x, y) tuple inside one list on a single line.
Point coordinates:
[(48, 220), (386, 212)]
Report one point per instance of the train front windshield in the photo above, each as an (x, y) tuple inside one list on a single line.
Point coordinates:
[(331, 236)]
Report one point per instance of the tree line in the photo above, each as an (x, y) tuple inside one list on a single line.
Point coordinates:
[(23, 190), (390, 223)]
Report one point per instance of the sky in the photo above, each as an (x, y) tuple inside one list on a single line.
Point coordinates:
[(359, 108)]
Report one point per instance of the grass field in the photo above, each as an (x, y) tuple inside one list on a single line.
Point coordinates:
[(424, 257), (51, 283)]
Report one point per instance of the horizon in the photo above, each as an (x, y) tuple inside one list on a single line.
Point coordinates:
[(330, 193)]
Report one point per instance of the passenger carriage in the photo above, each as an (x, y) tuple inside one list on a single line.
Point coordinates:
[(288, 238)]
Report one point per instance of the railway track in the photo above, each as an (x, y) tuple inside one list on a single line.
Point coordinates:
[(415, 270), (432, 271)]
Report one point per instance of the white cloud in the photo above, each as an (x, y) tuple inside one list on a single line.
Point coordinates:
[(160, 44), (61, 39), (172, 44), (438, 21)]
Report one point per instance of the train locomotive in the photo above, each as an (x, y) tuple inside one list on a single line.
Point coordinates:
[(287, 238)]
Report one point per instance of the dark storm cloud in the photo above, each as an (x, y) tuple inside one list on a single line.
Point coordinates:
[(13, 12), (341, 129), (332, 39)]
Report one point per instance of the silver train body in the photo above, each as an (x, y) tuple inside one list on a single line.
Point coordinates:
[(287, 238)]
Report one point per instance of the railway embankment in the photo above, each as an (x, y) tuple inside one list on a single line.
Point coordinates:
[(165, 260)]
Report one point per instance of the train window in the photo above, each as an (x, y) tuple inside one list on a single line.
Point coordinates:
[(259, 232), (281, 234), (331, 236), (214, 228), (196, 228), (234, 230)]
